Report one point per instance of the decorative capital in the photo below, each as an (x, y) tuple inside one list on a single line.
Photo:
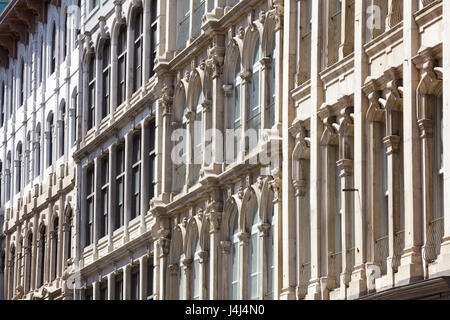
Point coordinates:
[(392, 144), (426, 127), (226, 246), (264, 229)]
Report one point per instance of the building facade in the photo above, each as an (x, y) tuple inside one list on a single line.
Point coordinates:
[(224, 149)]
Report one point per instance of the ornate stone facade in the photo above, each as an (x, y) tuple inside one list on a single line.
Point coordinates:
[(311, 136)]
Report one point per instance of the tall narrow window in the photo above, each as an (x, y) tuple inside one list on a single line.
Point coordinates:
[(12, 267), (62, 128), (53, 50), (64, 39), (2, 104), (234, 258), (121, 65), (55, 248), (184, 13), (337, 204), (68, 234), (37, 150), (253, 255), (384, 184), (198, 135), (236, 109), (90, 194), (42, 245), (19, 168), (50, 140), (439, 163), (180, 165), (273, 77), (254, 111), (153, 35), (152, 159), (118, 284), (91, 93), (104, 197), (270, 255), (136, 169), (134, 284), (150, 279), (29, 257), (199, 11), (120, 184), (8, 177), (27, 159), (195, 279), (103, 290), (106, 78), (22, 84), (74, 119), (181, 279), (93, 4), (138, 45), (42, 66)]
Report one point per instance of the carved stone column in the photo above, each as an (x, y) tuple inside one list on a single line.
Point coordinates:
[(173, 282), (204, 259), (244, 239), (263, 281)]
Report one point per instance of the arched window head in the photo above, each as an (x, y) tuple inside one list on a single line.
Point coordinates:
[(121, 64), (106, 94), (234, 256), (253, 254), (254, 110), (53, 50)]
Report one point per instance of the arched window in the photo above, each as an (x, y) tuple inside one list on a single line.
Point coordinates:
[(68, 235), (55, 248), (19, 167), (106, 94), (272, 85), (29, 258), (180, 144), (253, 252), (37, 152), (254, 110), (138, 45), (42, 244), (50, 139), (234, 257), (22, 83), (121, 65), (91, 93), (236, 109), (53, 50), (198, 133), (195, 278), (62, 130), (2, 104)]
